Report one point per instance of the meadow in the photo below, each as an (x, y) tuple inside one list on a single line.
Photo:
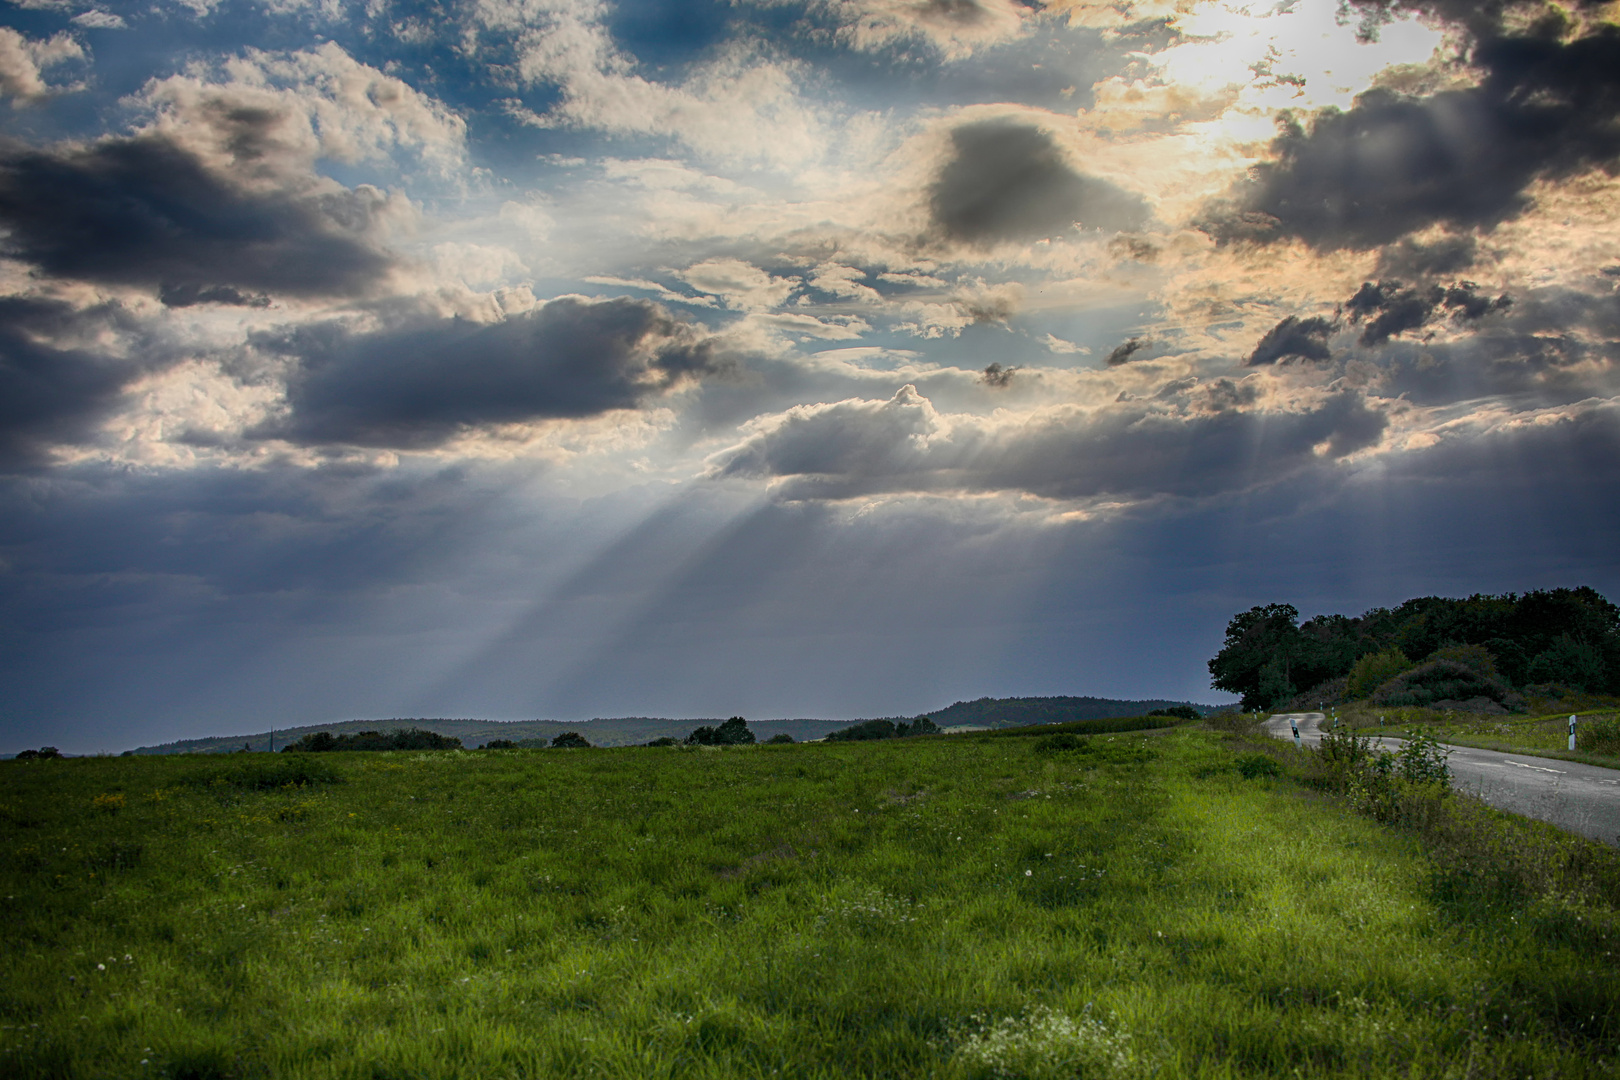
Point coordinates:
[(1186, 903)]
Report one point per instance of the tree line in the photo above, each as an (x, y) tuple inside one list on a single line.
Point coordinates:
[(1483, 645)]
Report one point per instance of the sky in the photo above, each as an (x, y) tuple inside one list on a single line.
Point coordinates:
[(777, 358)]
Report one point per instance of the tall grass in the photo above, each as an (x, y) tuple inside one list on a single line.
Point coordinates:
[(952, 907)]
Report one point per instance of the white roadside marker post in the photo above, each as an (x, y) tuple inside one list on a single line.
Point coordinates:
[(1572, 731), (1295, 725)]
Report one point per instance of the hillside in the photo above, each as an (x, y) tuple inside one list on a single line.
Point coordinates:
[(1019, 712), (614, 731)]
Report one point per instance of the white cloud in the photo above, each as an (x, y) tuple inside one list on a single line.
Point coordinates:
[(99, 20), (739, 284), (22, 62), (740, 106), (320, 103)]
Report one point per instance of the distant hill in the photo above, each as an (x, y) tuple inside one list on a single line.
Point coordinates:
[(1018, 712), (615, 731), (634, 730)]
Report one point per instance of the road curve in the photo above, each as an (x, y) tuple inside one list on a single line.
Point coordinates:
[(1584, 799)]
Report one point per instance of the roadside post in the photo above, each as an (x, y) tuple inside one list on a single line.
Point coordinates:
[(1572, 731), (1294, 724)]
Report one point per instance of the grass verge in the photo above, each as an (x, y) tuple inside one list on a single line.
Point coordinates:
[(1538, 736)]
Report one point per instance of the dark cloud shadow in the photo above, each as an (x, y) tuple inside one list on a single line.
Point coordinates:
[(1394, 165), (145, 210), (1294, 338), (53, 386), (424, 380), (1218, 445), (1007, 180)]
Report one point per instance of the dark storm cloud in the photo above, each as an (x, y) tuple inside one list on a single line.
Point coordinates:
[(1123, 352), (191, 295), (1410, 258), (997, 376), (1305, 339), (1394, 165), (857, 448), (54, 385), (420, 383), (1007, 180), (145, 210), (1389, 308)]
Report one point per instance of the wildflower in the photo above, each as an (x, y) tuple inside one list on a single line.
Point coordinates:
[(1029, 873)]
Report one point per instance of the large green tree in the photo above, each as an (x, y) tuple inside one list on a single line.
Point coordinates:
[(1262, 646)]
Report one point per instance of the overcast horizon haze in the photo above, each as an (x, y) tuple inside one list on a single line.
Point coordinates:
[(520, 359)]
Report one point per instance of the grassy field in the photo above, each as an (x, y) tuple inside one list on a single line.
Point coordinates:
[(1543, 736), (958, 906)]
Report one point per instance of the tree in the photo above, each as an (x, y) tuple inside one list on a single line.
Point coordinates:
[(499, 744), (570, 740), (865, 730), (781, 737), (1572, 663), (1256, 662), (1374, 670), (733, 732)]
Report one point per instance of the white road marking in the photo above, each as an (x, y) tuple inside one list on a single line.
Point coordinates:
[(1538, 768)]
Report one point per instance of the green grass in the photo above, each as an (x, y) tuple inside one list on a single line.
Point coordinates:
[(952, 907), (1540, 736)]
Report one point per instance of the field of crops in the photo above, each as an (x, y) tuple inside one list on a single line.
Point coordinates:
[(951, 906)]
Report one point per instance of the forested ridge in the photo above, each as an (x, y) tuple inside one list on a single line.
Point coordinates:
[(1489, 646)]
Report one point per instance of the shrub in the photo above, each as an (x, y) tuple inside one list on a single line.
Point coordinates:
[(570, 740), (1570, 662), (864, 731), (733, 732), (499, 744), (319, 742), (1182, 712), (43, 753), (1063, 740), (1477, 657), (664, 740), (1444, 680), (781, 737), (1375, 669)]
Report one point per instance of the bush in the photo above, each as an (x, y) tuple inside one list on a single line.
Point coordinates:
[(864, 731), (1374, 670), (780, 738), (320, 742), (499, 744), (43, 753), (664, 740), (570, 740), (1477, 657), (1572, 663), (733, 732), (1063, 740), (1445, 680), (1181, 712)]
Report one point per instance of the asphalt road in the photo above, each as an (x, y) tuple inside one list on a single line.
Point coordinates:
[(1584, 799)]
